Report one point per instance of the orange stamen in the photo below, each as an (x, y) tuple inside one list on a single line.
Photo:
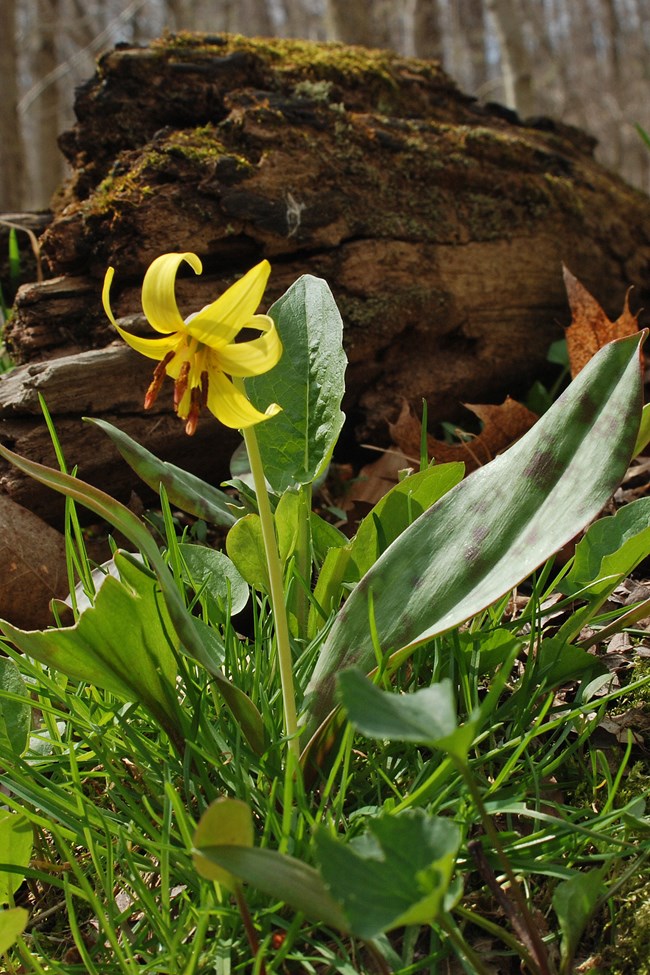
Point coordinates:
[(195, 410), (158, 375), (180, 385)]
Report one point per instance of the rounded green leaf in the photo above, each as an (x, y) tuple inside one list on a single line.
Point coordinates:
[(12, 924), (226, 822)]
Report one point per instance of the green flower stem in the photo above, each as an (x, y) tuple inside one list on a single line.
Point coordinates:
[(277, 591)]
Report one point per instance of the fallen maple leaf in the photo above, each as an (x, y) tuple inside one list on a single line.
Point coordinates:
[(502, 425), (590, 328)]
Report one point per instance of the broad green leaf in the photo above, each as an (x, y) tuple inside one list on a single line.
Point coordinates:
[(492, 646), (558, 662), (224, 585), (427, 716), (308, 383), (494, 528), (396, 874), (282, 877), (16, 841), (15, 715), (132, 528), (245, 547), (611, 547), (287, 514), (398, 509), (184, 490), (226, 822), (124, 643), (574, 901), (12, 924)]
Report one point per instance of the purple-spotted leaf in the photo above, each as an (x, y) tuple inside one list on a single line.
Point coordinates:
[(184, 490), (494, 528)]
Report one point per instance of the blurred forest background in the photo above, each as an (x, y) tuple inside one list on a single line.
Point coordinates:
[(584, 62)]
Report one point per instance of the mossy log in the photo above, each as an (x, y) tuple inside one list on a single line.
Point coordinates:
[(441, 225)]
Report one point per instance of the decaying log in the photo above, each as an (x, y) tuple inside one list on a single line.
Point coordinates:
[(440, 225)]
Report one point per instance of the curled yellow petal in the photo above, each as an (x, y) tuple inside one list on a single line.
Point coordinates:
[(159, 294), (218, 323), (152, 348), (254, 357), (231, 407)]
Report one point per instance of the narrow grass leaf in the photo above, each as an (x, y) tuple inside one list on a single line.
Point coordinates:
[(308, 382), (494, 528)]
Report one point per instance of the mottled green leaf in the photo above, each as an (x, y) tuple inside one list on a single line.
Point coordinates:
[(495, 527), (184, 490), (308, 383)]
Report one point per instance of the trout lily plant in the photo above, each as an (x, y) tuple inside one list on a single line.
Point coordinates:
[(333, 732)]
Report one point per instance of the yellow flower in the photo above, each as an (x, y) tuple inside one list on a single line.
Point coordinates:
[(199, 353)]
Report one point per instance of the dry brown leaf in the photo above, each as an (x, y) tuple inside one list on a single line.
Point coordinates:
[(374, 481), (502, 425), (590, 328)]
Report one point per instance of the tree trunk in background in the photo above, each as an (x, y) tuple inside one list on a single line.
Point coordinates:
[(47, 162), (349, 22), (427, 36), (516, 69), (12, 159)]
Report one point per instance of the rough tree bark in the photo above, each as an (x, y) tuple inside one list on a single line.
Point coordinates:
[(440, 225)]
